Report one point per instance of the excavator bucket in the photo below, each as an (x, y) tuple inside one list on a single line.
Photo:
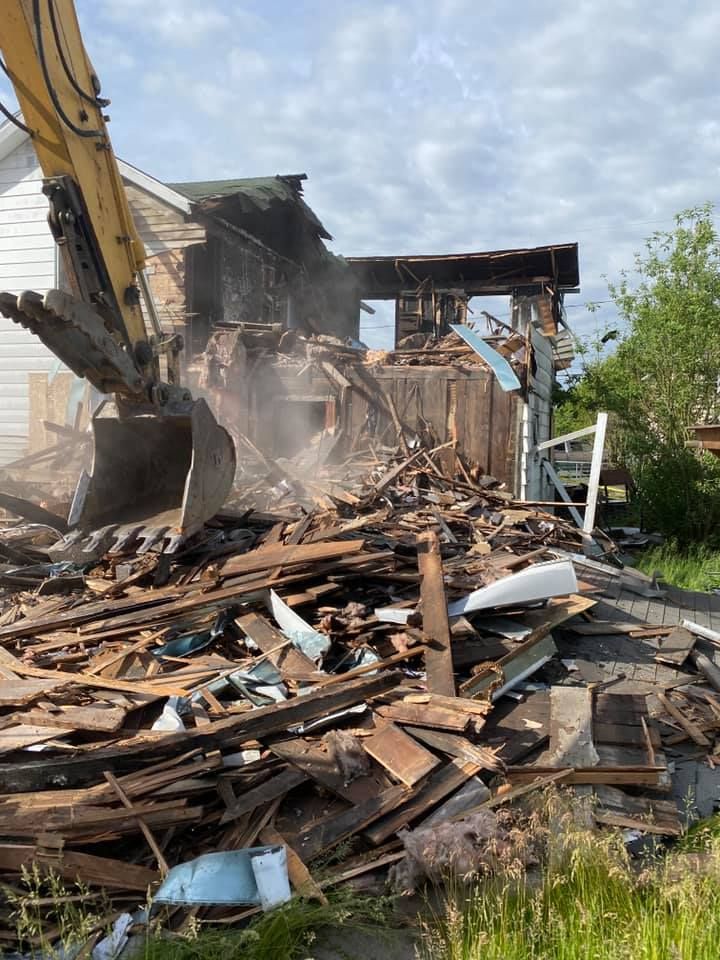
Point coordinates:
[(154, 479)]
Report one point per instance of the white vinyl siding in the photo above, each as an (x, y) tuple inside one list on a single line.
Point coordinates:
[(27, 262)]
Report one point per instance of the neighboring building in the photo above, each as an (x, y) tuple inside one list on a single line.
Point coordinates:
[(220, 253)]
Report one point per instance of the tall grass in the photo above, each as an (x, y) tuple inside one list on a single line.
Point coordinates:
[(285, 933), (590, 903), (692, 568), (56, 921)]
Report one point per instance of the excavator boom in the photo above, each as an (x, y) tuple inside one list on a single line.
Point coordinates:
[(161, 464)]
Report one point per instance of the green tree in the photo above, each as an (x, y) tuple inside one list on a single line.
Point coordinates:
[(664, 374)]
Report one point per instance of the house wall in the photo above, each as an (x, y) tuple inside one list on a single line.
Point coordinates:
[(441, 404), (251, 290), (535, 415), (27, 262), (461, 404), (165, 233)]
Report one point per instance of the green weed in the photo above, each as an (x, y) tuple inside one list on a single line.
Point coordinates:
[(51, 916), (692, 568), (286, 932)]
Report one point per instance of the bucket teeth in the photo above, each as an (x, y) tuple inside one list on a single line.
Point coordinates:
[(150, 537), (98, 537), (124, 537), (175, 541)]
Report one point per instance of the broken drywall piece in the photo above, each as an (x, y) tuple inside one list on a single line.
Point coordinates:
[(541, 581)]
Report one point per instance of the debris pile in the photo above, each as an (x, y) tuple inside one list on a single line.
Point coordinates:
[(366, 656)]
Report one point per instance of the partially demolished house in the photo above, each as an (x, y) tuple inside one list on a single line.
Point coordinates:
[(487, 397), (270, 320), (501, 432)]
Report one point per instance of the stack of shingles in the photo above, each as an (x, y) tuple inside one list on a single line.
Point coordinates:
[(178, 708)]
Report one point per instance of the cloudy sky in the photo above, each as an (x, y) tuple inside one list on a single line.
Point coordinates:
[(430, 126)]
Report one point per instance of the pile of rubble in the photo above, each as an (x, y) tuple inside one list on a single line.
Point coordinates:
[(367, 657)]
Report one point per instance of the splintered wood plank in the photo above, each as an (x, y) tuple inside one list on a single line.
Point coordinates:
[(518, 729), (459, 747), (15, 693), (325, 680), (285, 555), (273, 788), (649, 815), (477, 708), (105, 719), (25, 735), (626, 734), (290, 661), (675, 649), (604, 628), (630, 776), (440, 785), (314, 760), (328, 832), (92, 870), (390, 475), (426, 715), (402, 756), (571, 737), (690, 728), (20, 667), (146, 832), (436, 626), (619, 708), (252, 725)]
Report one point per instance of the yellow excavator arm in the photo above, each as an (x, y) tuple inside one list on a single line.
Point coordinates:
[(162, 466)]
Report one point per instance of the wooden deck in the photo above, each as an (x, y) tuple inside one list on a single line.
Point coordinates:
[(608, 656), (631, 663)]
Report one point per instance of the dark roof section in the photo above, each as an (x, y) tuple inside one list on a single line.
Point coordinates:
[(254, 197), (496, 271), (204, 189)]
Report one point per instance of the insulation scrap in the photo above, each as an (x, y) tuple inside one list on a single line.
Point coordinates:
[(475, 846), (346, 750)]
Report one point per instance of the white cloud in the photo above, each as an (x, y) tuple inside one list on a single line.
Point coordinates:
[(431, 127)]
